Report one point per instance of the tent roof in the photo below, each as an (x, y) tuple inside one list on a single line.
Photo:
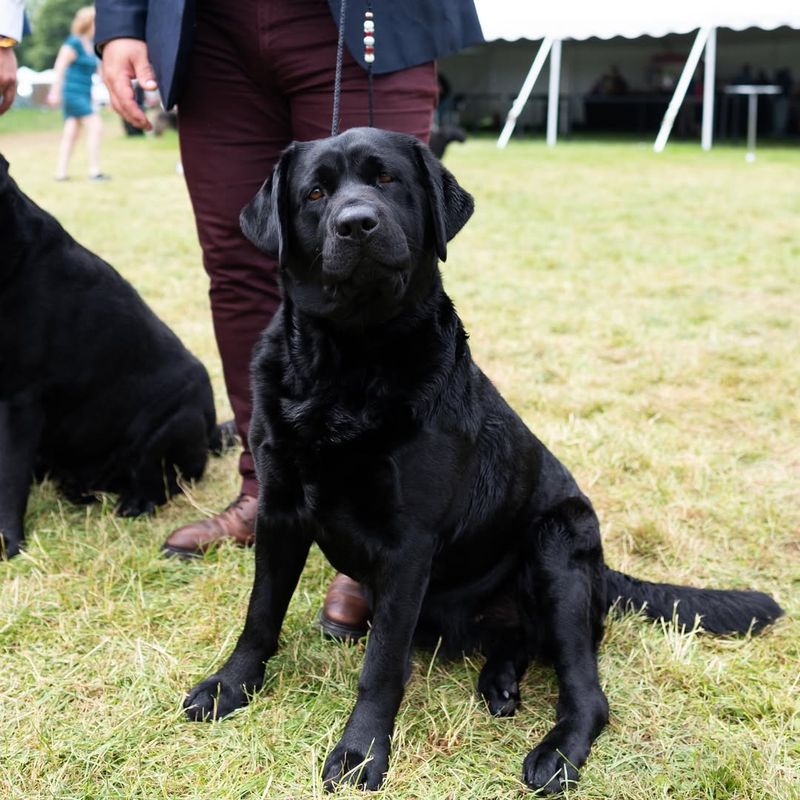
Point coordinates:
[(583, 19)]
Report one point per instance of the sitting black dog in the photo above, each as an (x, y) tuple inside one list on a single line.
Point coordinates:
[(94, 389), (376, 436)]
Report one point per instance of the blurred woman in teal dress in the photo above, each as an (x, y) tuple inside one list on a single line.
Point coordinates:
[(75, 66)]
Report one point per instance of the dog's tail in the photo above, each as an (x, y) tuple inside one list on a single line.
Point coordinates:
[(719, 610), (223, 437)]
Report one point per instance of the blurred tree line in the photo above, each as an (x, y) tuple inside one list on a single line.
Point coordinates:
[(50, 21)]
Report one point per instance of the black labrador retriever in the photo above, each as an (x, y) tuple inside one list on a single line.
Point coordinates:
[(377, 436), (94, 389)]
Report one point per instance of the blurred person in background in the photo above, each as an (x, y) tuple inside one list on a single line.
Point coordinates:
[(12, 21), (75, 67)]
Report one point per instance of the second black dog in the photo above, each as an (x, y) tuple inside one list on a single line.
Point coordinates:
[(376, 436), (94, 389), (441, 137)]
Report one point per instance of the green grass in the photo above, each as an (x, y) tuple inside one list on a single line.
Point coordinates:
[(641, 313), (28, 120)]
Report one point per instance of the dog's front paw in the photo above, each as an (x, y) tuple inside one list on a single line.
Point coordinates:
[(547, 771), (216, 697), (350, 763)]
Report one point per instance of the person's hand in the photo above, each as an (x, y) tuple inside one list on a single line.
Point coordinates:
[(8, 78), (124, 60), (54, 97)]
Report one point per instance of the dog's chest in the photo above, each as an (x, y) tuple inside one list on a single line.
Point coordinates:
[(316, 423), (341, 441), (352, 411), (349, 483)]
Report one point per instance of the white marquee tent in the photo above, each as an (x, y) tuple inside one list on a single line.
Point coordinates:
[(584, 19)]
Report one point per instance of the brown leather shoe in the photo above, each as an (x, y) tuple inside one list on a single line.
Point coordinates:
[(236, 523), (345, 611)]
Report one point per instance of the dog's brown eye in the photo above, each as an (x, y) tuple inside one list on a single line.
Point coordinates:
[(315, 193), (385, 177)]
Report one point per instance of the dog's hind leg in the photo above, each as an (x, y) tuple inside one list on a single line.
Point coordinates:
[(566, 587), (21, 424), (145, 487), (498, 683), (179, 449)]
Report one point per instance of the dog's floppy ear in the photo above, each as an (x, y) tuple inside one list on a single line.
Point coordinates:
[(265, 219), (451, 206)]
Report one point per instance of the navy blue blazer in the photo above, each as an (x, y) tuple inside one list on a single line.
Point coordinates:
[(408, 32)]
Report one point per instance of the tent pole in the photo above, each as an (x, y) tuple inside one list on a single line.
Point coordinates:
[(681, 88), (553, 93), (709, 81), (524, 92)]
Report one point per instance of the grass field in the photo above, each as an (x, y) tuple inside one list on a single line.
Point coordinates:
[(640, 312)]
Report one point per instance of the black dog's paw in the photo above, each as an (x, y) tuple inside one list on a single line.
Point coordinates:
[(499, 689), (547, 771), (134, 506), (364, 767), (214, 698), (10, 546), (224, 437)]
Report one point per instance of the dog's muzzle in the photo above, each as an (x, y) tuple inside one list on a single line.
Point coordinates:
[(353, 233)]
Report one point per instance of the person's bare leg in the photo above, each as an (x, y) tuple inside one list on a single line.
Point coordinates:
[(94, 132), (69, 136)]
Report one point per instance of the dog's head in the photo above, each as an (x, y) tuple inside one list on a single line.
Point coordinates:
[(354, 221)]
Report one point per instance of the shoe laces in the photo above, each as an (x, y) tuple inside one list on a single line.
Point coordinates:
[(237, 504)]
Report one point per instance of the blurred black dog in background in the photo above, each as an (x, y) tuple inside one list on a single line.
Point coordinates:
[(95, 390), (165, 121), (443, 136)]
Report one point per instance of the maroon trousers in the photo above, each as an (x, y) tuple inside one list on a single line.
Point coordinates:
[(262, 75)]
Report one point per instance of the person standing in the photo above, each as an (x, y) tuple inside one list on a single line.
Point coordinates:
[(76, 64), (12, 22), (249, 77)]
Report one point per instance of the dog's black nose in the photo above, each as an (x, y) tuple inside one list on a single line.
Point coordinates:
[(356, 222)]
